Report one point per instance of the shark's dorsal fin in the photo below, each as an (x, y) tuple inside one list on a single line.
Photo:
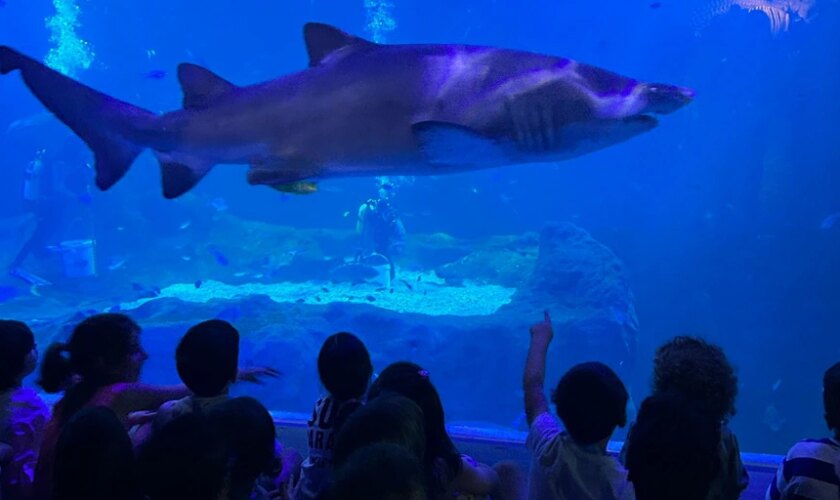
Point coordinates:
[(323, 40), (201, 86)]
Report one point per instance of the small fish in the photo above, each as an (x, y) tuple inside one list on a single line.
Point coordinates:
[(829, 221), (186, 258), (137, 286), (392, 291), (318, 298), (116, 263), (150, 53), (219, 256), (300, 301), (239, 274), (419, 277), (198, 283), (185, 225), (346, 213), (325, 289), (370, 298), (655, 5), (156, 74), (776, 385), (407, 284)]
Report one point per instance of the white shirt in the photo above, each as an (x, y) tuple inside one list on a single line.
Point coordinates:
[(562, 469)]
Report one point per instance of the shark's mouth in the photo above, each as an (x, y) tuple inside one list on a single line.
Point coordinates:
[(644, 120), (663, 99)]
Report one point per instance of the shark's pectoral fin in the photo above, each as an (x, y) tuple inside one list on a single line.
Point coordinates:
[(322, 40), (299, 187), (181, 173), (443, 143), (201, 86)]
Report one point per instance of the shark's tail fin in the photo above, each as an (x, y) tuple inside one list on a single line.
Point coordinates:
[(113, 129)]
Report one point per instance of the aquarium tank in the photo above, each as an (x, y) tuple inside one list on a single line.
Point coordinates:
[(432, 176)]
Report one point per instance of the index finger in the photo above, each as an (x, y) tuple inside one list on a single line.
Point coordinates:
[(547, 316)]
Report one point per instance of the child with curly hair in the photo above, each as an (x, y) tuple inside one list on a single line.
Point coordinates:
[(700, 372)]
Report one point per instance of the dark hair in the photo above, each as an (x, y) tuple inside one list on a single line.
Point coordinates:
[(673, 449), (831, 397), (186, 458), (94, 459), (381, 471), (344, 366), (207, 357), (97, 345), (413, 382), (699, 371), (591, 401), (248, 434), (16, 342), (389, 418)]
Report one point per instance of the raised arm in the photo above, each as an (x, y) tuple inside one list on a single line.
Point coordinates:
[(132, 397), (534, 378)]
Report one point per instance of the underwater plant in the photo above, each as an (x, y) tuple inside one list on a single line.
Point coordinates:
[(70, 52)]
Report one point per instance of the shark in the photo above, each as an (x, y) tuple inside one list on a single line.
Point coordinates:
[(361, 109)]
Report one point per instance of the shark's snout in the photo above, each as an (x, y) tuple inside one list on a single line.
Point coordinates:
[(663, 98)]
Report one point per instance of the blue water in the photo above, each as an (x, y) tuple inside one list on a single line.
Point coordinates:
[(717, 215)]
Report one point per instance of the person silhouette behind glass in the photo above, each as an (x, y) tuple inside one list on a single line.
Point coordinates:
[(53, 190)]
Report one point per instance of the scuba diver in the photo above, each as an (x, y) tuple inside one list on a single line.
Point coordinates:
[(381, 233), (54, 191)]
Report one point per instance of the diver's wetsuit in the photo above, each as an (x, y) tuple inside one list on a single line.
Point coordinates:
[(379, 229), (48, 199)]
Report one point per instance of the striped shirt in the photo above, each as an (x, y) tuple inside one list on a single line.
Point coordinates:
[(809, 471)]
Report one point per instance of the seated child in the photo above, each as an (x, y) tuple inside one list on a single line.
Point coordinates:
[(448, 473), (591, 402), (380, 471), (94, 459), (810, 468), (207, 359), (99, 365), (345, 369), (248, 436), (389, 418), (675, 449), (700, 372), (23, 416)]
